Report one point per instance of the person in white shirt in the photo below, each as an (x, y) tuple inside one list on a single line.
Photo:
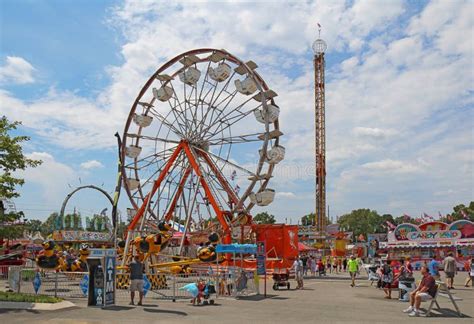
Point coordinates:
[(298, 267)]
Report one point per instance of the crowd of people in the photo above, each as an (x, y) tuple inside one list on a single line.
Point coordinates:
[(390, 273)]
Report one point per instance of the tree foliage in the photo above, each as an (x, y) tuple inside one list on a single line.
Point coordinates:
[(12, 225), (12, 159), (264, 218), (361, 221), (309, 219)]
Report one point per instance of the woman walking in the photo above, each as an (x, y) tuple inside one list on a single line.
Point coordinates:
[(387, 279)]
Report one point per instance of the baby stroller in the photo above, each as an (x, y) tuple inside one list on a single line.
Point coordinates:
[(281, 279), (208, 294), (372, 273)]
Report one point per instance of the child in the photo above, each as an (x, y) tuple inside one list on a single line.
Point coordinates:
[(201, 285)]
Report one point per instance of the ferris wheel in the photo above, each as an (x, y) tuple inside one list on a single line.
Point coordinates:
[(200, 144)]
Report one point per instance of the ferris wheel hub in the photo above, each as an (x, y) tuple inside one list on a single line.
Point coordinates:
[(201, 144)]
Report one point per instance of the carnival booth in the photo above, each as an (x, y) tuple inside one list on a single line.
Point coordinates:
[(421, 242)]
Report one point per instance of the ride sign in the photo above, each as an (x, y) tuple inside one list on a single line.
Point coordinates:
[(261, 259)]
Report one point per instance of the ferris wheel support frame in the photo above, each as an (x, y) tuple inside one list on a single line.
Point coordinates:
[(184, 146)]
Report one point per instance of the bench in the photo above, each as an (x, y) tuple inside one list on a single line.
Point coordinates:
[(443, 291)]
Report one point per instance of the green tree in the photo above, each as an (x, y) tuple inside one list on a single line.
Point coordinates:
[(34, 225), (12, 225), (310, 220), (361, 221), (52, 223), (264, 218), (463, 212), (12, 159)]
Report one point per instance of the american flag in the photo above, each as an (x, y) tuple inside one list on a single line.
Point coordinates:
[(425, 215)]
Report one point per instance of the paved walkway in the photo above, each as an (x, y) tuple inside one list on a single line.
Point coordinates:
[(329, 300)]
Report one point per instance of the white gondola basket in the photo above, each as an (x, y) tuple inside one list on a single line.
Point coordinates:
[(271, 116), (163, 94), (133, 151), (263, 198), (190, 76), (142, 120), (220, 73), (276, 154), (246, 87), (133, 183)]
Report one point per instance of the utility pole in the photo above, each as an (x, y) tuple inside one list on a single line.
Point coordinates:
[(319, 47)]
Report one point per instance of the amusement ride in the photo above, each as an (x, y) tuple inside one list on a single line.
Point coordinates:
[(197, 154)]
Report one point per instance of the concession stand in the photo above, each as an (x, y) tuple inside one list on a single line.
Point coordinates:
[(421, 242)]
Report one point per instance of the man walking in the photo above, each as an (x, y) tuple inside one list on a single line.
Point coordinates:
[(425, 291), (433, 267), (449, 265), (136, 280), (298, 267), (353, 266)]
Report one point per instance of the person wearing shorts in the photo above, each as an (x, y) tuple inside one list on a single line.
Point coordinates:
[(449, 264), (136, 280), (425, 291), (353, 266)]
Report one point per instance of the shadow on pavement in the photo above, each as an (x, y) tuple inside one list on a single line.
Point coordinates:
[(118, 308), (446, 313), (5, 311), (165, 311), (261, 297)]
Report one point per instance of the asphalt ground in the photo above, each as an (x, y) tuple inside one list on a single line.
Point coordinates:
[(325, 300)]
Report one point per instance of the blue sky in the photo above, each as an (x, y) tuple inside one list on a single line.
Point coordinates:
[(399, 93)]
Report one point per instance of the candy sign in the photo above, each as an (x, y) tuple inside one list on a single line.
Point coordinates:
[(434, 235)]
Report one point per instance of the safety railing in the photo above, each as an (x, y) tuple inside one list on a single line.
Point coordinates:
[(226, 282)]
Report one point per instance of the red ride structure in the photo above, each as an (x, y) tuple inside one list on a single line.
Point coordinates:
[(199, 147)]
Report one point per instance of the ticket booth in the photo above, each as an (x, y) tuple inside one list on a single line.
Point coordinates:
[(101, 290)]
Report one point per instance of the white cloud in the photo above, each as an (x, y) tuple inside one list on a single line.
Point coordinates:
[(91, 164), (52, 176), (391, 166), (16, 70), (289, 195), (373, 132)]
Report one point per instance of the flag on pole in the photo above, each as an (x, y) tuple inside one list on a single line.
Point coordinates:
[(426, 216), (390, 225)]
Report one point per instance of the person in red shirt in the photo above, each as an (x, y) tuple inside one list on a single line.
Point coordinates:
[(425, 291), (321, 267)]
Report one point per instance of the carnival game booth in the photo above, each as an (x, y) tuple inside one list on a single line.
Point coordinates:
[(421, 242)]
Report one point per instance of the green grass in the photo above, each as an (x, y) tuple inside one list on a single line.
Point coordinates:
[(17, 297)]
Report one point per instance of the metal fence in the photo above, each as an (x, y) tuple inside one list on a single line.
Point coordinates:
[(226, 282)]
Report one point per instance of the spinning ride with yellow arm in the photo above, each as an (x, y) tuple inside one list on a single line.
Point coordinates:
[(199, 148)]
